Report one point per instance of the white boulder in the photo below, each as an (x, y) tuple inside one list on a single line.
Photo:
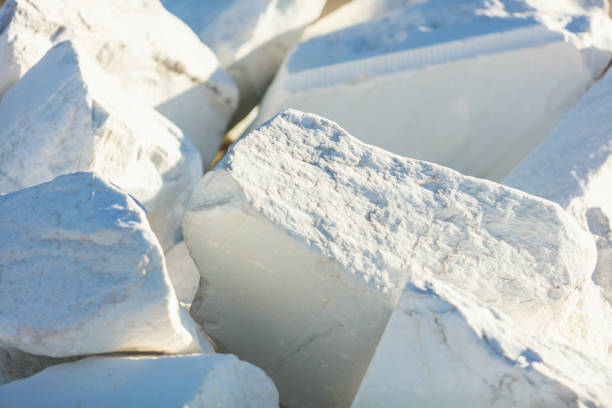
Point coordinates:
[(472, 84), (82, 273), (183, 272), (305, 239), (573, 167), (157, 58), (67, 115), (250, 37), (211, 381), (443, 349)]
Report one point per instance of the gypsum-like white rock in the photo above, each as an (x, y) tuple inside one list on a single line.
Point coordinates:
[(157, 58), (15, 364), (250, 37), (441, 348), (67, 115), (210, 380), (573, 167), (183, 272), (305, 238), (81, 272), (470, 84)]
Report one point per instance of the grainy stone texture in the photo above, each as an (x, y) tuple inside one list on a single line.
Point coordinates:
[(81, 273), (305, 238), (157, 58)]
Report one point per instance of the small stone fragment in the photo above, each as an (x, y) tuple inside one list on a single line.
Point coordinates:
[(183, 272)]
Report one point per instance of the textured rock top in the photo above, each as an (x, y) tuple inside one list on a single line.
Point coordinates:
[(387, 218), (81, 273)]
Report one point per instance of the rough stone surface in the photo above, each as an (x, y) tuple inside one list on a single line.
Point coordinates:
[(444, 349), (183, 272), (67, 115), (81, 272), (156, 57), (473, 84), (250, 37), (573, 167), (194, 381), (302, 224)]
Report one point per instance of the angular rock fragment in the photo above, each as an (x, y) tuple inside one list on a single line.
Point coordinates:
[(442, 349), (250, 38), (183, 272), (472, 84), (158, 60), (305, 238), (82, 273), (211, 381), (573, 167), (67, 115)]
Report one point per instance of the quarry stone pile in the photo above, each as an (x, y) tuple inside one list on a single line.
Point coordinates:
[(185, 221)]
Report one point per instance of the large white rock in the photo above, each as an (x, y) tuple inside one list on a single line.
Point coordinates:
[(67, 115), (250, 37), (183, 272), (82, 273), (472, 84), (305, 238), (444, 349), (194, 381), (155, 56), (573, 167)]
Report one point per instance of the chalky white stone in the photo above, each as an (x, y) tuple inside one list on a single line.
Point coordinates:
[(573, 167), (157, 58), (67, 115), (193, 381), (183, 272), (250, 37), (305, 238), (443, 349), (472, 84), (81, 272)]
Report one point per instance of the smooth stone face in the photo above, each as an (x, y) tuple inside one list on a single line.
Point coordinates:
[(250, 37), (471, 85), (305, 238), (158, 59), (82, 273), (67, 115), (183, 272), (209, 380), (441, 349), (573, 167)]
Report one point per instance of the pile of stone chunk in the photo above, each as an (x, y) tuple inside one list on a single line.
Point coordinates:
[(417, 212)]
